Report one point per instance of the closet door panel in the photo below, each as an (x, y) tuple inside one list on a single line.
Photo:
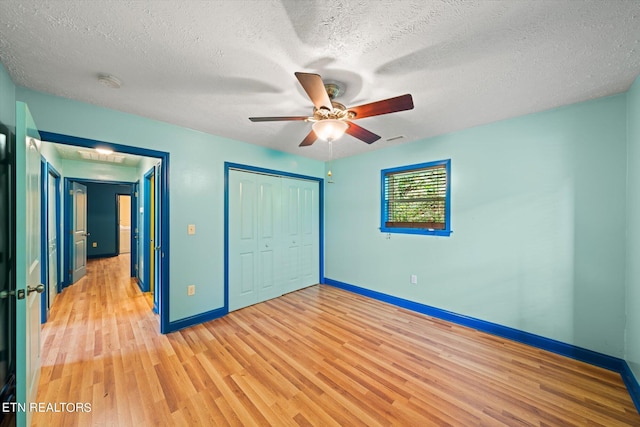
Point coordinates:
[(243, 240), (270, 236)]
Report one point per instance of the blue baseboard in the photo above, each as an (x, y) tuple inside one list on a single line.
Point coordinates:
[(578, 353), (632, 384), (195, 320)]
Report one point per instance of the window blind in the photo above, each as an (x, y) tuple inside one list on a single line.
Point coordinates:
[(416, 198)]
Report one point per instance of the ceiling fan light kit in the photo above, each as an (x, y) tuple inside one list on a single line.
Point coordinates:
[(329, 129), (331, 119)]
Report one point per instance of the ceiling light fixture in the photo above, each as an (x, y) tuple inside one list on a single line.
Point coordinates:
[(329, 129), (109, 81), (105, 151)]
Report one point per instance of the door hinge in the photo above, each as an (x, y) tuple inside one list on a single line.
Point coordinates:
[(135, 194), (20, 294)]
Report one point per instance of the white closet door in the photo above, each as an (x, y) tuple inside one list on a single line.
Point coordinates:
[(292, 235), (273, 236), (309, 233), (301, 224), (254, 238), (269, 213), (243, 240)]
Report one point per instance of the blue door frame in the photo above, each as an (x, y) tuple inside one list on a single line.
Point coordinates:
[(145, 285), (163, 184), (134, 230), (48, 172), (146, 248)]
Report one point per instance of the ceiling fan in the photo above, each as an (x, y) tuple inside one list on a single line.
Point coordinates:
[(331, 119)]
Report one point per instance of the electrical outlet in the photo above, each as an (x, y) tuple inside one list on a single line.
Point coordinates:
[(94, 244), (191, 290), (414, 279)]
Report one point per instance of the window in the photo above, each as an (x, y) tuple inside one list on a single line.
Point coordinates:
[(416, 199)]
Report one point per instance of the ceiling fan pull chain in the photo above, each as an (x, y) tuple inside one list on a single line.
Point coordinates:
[(329, 173)]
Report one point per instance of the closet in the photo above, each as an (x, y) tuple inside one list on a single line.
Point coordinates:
[(274, 236)]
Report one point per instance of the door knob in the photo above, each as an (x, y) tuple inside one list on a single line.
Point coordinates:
[(39, 289)]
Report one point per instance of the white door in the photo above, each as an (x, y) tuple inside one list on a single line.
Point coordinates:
[(292, 235), (254, 238), (268, 216), (79, 231), (243, 240), (52, 238), (309, 233), (301, 223), (28, 280)]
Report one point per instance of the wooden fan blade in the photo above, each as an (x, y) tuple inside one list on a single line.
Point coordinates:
[(309, 139), (361, 133), (391, 105), (314, 86), (277, 119)]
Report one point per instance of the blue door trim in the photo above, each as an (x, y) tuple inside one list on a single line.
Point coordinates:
[(51, 171), (163, 298), (47, 171), (134, 230), (146, 249), (246, 168)]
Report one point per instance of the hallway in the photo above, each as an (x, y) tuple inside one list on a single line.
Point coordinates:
[(89, 348)]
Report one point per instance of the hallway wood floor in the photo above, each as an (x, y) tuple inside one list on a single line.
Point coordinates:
[(320, 356)]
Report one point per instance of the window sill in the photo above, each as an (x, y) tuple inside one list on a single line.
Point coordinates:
[(424, 231)]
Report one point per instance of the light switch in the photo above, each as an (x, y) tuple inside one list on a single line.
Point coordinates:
[(191, 229)]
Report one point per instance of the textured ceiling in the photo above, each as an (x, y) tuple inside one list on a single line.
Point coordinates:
[(209, 65)]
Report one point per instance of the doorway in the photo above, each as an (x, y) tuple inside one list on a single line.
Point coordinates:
[(124, 223), (96, 222), (162, 225)]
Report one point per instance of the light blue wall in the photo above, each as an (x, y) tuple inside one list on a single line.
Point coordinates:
[(538, 219), (633, 230), (196, 185)]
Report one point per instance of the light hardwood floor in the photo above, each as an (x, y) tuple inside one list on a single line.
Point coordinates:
[(320, 356)]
